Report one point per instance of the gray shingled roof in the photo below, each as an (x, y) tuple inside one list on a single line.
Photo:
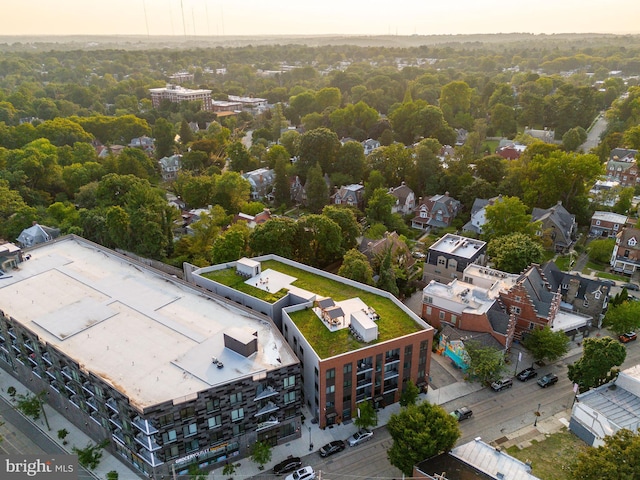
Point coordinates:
[(538, 290)]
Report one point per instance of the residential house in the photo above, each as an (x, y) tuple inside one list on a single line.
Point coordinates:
[(36, 234), (435, 212), (606, 409), (479, 214), (171, 376), (546, 135), (352, 195), (253, 220), (622, 167), (626, 253), (605, 192), (144, 143), (405, 199), (250, 104), (10, 257), (370, 145), (452, 344), (461, 136), (511, 150), (584, 295), (475, 460), (607, 224), (261, 181), (373, 249), (299, 191), (558, 228), (450, 255), (358, 343), (103, 151), (170, 166)]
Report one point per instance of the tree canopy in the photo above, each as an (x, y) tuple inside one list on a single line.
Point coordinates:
[(545, 344), (596, 366)]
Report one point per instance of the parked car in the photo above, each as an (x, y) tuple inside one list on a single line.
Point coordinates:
[(418, 255), (304, 473), (628, 337), (360, 436), (332, 447), (548, 379), (631, 286), (499, 385), (527, 374), (462, 413), (288, 465)]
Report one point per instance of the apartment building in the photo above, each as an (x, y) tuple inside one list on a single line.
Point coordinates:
[(178, 94), (171, 375)]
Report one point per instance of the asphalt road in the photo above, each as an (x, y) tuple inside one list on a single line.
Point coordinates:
[(593, 136)]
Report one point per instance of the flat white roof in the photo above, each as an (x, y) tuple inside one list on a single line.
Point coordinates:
[(609, 217), (148, 335), (459, 297), (456, 245)]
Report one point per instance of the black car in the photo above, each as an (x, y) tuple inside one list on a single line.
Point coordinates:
[(548, 379), (631, 286), (527, 374), (462, 413), (332, 447), (288, 465)]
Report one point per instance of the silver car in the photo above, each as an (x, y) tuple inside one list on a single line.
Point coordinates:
[(360, 436)]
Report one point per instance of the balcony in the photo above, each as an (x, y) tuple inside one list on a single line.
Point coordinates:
[(70, 388), (268, 408), (66, 371), (144, 426), (55, 386), (32, 360), (266, 392), (92, 403), (111, 403), (363, 383), (11, 334), (116, 421), (89, 388), (148, 442), (272, 422), (37, 371), (46, 358), (75, 400), (28, 345), (50, 375), (119, 437), (392, 359), (362, 397), (390, 374), (364, 367), (150, 458)]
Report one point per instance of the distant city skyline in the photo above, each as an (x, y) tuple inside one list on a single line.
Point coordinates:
[(330, 17)]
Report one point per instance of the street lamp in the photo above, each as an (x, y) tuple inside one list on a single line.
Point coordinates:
[(537, 414), (310, 444)]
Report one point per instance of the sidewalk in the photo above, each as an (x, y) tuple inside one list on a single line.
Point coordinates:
[(75, 438)]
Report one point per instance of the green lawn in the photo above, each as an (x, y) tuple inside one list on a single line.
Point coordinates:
[(563, 262), (550, 458), (393, 322)]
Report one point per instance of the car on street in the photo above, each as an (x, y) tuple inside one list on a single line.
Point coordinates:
[(631, 286), (501, 384), (462, 413), (360, 436), (628, 337), (527, 374), (288, 465), (418, 255), (548, 379), (304, 473), (332, 447)]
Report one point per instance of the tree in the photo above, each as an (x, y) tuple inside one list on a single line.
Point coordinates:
[(409, 394), (624, 203), (318, 241), (186, 134), (573, 138), (261, 454), (274, 236), (486, 364), (318, 146), (351, 161), (112, 475), (600, 250), (366, 415), (282, 189), (513, 253), (232, 192), (62, 435), (356, 266), (545, 344), (622, 318), (164, 135), (379, 207), (507, 215), (387, 275), (596, 366), (33, 405), (231, 245), (618, 458), (317, 190), (346, 220), (90, 456), (240, 158), (418, 432)]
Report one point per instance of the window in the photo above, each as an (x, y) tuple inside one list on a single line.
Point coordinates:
[(237, 415), (331, 373), (238, 429), (173, 452), (289, 397), (428, 310), (516, 310), (188, 412), (441, 315), (213, 405), (597, 294), (441, 261), (597, 222), (289, 381), (165, 419), (454, 319), (192, 446), (585, 303), (235, 398), (347, 368), (215, 421), (633, 242), (330, 389), (518, 299), (616, 226), (190, 429), (169, 436), (428, 299)]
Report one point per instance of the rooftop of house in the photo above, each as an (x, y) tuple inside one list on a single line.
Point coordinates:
[(556, 214), (458, 297), (457, 245), (395, 320), (151, 336), (609, 217)]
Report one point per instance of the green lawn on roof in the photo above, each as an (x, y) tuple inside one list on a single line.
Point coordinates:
[(230, 278)]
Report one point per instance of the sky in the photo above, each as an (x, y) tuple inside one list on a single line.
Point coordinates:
[(321, 17)]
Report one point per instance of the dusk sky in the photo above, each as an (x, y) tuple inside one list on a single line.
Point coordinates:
[(294, 17)]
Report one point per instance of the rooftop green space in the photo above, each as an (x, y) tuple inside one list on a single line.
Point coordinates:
[(393, 322)]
